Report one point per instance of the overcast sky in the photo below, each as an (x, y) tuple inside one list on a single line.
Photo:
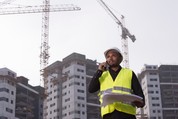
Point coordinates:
[(90, 31)]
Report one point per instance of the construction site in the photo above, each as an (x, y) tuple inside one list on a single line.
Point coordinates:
[(61, 91)]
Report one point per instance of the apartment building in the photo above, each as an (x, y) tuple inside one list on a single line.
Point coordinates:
[(93, 104), (67, 94), (149, 79), (53, 85), (7, 93), (18, 99), (168, 75), (160, 86), (28, 100), (39, 101)]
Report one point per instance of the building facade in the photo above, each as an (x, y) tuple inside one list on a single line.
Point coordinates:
[(18, 99), (93, 107), (168, 75), (160, 87), (149, 78), (39, 101), (28, 100), (67, 94), (7, 93)]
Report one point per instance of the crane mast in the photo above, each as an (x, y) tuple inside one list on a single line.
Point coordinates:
[(125, 33), (44, 54)]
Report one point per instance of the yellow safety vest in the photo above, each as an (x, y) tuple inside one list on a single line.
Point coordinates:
[(122, 84)]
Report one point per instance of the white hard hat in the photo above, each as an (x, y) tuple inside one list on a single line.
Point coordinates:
[(114, 49)]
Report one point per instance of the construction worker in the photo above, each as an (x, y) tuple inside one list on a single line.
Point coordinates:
[(111, 77)]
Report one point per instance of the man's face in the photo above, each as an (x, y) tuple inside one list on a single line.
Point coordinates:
[(113, 58)]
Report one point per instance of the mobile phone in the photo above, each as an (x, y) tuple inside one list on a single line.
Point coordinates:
[(107, 66)]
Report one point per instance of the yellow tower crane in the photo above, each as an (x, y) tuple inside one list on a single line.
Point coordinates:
[(44, 9), (125, 33)]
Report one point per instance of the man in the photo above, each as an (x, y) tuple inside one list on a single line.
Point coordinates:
[(110, 76)]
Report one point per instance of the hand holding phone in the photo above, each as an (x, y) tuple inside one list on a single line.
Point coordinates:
[(103, 66)]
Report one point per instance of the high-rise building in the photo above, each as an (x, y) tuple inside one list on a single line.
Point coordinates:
[(18, 99), (149, 79), (7, 93), (39, 101), (67, 89), (93, 107), (168, 75), (160, 86), (28, 100)]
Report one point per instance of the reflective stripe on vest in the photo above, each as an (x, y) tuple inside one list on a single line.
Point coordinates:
[(116, 88), (122, 84)]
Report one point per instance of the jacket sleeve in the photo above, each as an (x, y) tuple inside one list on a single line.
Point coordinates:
[(137, 89), (94, 84)]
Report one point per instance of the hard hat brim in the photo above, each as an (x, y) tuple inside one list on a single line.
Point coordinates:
[(115, 50)]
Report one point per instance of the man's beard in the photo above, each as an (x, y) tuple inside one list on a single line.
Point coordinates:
[(113, 65)]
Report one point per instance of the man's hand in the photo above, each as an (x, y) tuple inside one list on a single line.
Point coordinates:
[(102, 66), (138, 103)]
